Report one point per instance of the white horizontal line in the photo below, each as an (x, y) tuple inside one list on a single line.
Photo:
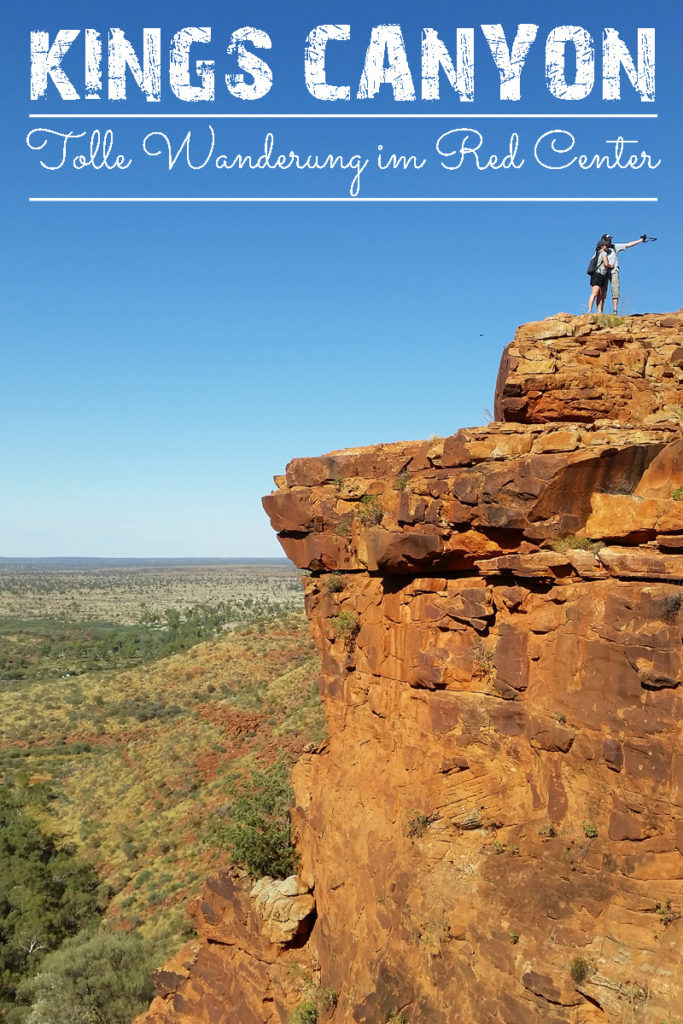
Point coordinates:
[(341, 116), (342, 199)]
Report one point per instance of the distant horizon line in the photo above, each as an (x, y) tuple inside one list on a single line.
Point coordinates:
[(129, 559)]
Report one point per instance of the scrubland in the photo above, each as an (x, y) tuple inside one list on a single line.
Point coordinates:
[(125, 739)]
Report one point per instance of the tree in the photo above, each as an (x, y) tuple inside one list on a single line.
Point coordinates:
[(93, 978), (45, 895)]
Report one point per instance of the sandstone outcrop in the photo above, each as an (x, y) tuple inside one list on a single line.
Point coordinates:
[(493, 830)]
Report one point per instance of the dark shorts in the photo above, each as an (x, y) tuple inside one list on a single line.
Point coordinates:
[(599, 279)]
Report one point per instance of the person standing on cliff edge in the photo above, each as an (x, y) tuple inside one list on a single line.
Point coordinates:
[(599, 277), (613, 257)]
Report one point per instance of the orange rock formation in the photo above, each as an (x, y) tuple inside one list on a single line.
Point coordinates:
[(493, 830)]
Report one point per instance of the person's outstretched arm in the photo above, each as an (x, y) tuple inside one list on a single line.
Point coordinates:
[(638, 241)]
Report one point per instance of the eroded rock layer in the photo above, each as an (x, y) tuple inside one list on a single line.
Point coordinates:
[(493, 830)]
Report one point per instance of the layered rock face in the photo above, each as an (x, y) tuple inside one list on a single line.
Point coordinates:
[(493, 830)]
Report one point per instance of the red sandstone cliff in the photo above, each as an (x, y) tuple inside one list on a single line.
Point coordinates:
[(493, 830)]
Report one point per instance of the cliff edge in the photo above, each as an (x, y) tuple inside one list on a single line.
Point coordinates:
[(492, 831)]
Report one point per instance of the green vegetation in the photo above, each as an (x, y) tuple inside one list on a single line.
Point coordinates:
[(48, 649), (607, 320), (561, 719), (369, 510), (548, 831), (122, 764), (346, 624), (396, 1018), (579, 969), (590, 831), (342, 529), (418, 823), (101, 978), (401, 481), (666, 913), (327, 998), (127, 594), (514, 937), (304, 1013), (46, 894), (499, 847), (671, 604), (319, 1000), (574, 543), (677, 494), (482, 658), (334, 583), (256, 826)]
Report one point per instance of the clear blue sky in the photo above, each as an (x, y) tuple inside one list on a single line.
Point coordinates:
[(162, 362)]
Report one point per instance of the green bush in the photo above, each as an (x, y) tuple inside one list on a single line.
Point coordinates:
[(671, 604), (590, 831), (345, 624), (45, 896), (305, 1013), (418, 823), (102, 977), (334, 582), (369, 510), (574, 543), (257, 826), (579, 969), (327, 998), (666, 913), (482, 657)]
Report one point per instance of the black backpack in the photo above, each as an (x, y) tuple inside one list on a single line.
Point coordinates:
[(593, 264)]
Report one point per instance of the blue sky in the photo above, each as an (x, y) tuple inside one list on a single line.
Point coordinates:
[(163, 361)]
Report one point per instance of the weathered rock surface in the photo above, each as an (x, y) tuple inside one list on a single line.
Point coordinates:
[(284, 905), (493, 830)]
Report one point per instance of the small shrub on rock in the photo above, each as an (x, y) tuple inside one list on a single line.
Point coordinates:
[(305, 1013), (589, 830), (327, 998), (608, 320), (334, 583), (418, 823), (342, 529), (346, 624), (482, 658), (666, 913), (369, 510), (574, 543), (579, 969), (671, 604)]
